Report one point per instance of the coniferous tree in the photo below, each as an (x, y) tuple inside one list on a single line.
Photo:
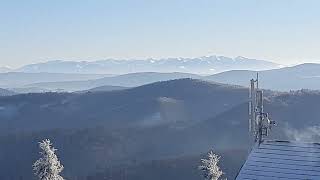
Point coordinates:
[(48, 167), (210, 168)]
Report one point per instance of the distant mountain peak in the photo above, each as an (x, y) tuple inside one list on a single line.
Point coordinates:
[(241, 58), (4, 69), (306, 65), (201, 65), (5, 92)]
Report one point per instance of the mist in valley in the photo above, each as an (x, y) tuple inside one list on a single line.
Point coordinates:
[(161, 90)]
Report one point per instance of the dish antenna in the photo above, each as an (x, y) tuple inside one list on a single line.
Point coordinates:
[(259, 122)]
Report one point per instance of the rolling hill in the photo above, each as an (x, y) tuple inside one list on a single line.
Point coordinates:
[(131, 124), (23, 90), (304, 76), (162, 101), (18, 79), (160, 126), (103, 89), (126, 80)]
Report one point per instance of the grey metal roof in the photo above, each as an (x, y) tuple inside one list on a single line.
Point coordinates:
[(282, 160)]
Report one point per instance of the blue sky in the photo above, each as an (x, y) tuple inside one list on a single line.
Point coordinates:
[(284, 31)]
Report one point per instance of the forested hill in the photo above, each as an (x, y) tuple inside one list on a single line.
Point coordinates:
[(163, 127), (177, 100)]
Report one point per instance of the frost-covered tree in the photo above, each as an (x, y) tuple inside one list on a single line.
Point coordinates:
[(48, 167), (210, 168)]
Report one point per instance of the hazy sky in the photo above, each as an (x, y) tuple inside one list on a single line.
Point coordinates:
[(284, 31)]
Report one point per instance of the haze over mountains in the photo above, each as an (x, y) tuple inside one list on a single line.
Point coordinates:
[(144, 120), (201, 65), (304, 76), (80, 76), (118, 126), (148, 90), (106, 129), (155, 126), (19, 79), (126, 80)]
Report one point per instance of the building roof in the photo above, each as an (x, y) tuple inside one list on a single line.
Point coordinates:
[(282, 160)]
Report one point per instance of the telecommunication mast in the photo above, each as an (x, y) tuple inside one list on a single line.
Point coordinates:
[(275, 159), (259, 122)]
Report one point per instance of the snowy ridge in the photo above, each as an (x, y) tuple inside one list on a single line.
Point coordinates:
[(201, 65)]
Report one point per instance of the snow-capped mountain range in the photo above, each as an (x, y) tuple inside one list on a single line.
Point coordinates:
[(201, 65), (5, 69)]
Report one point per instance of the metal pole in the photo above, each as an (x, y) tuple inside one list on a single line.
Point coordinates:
[(257, 80)]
